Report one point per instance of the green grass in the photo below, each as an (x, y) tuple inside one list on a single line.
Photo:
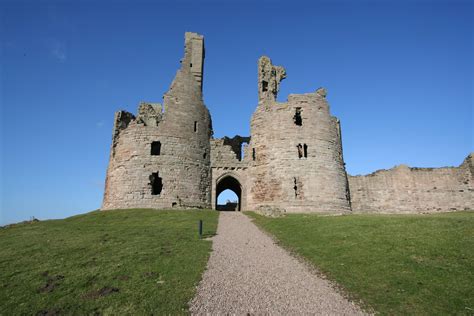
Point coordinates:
[(114, 262), (405, 264)]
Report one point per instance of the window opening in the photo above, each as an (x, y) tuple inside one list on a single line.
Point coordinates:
[(305, 150), (155, 148), (295, 187), (195, 126), (300, 150), (156, 183), (264, 85), (297, 118), (253, 154)]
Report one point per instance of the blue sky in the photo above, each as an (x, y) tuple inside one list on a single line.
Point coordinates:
[(399, 75)]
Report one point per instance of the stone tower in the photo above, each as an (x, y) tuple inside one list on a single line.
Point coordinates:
[(296, 150), (160, 158)]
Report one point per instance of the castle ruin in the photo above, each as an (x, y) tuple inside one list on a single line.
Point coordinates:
[(165, 157)]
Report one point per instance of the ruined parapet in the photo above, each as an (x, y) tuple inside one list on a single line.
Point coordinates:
[(414, 190), (269, 78), (468, 164), (121, 121), (228, 150), (297, 161), (161, 159), (149, 114)]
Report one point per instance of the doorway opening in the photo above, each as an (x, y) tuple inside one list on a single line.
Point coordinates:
[(228, 194)]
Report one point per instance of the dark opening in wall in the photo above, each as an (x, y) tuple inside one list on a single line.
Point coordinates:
[(232, 185), (300, 150), (295, 187), (195, 126), (253, 154), (305, 147), (156, 183), (297, 118), (191, 65), (264, 86), (204, 155), (174, 204), (155, 148)]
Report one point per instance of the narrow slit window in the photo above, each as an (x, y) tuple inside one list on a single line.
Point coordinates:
[(195, 126), (155, 148), (156, 183), (253, 154), (297, 118), (191, 65), (264, 85), (300, 151), (305, 150), (295, 188)]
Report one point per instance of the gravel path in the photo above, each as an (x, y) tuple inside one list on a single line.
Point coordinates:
[(248, 273)]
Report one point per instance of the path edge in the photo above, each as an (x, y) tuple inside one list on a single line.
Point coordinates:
[(313, 269), (198, 283)]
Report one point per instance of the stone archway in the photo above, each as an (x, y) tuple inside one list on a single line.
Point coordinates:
[(229, 182)]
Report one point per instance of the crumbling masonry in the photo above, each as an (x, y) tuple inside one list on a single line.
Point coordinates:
[(165, 156)]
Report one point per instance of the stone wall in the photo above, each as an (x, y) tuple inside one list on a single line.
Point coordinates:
[(296, 151), (414, 190), (227, 160), (161, 157)]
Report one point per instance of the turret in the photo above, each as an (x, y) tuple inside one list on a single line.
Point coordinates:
[(194, 55), (161, 159), (297, 161)]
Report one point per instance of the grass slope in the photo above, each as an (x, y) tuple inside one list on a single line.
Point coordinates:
[(114, 262), (405, 264)]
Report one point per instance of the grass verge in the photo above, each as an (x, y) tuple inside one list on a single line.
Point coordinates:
[(113, 262), (397, 264)]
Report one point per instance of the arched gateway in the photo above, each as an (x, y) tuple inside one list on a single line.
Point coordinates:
[(228, 182)]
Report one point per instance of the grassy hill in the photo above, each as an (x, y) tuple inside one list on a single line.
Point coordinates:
[(397, 264), (148, 262), (114, 262)]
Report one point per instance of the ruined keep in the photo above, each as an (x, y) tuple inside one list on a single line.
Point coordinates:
[(165, 156)]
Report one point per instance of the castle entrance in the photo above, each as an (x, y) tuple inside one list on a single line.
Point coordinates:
[(228, 182)]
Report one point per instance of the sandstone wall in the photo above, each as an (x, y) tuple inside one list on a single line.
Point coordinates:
[(178, 173), (227, 160), (414, 190), (297, 147)]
